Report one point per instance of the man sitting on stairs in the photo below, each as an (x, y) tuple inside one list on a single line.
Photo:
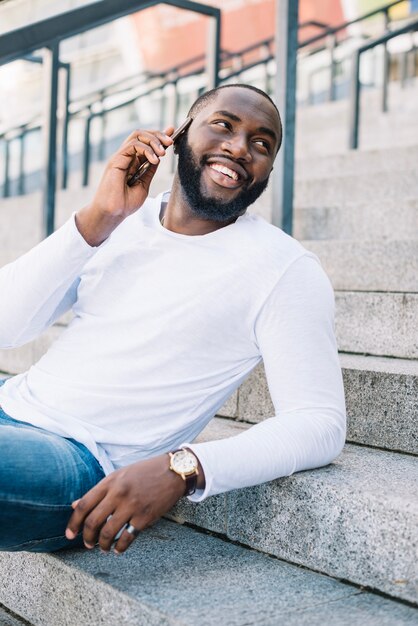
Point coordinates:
[(175, 300)]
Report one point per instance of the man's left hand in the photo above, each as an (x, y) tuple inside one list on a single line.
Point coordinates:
[(138, 494)]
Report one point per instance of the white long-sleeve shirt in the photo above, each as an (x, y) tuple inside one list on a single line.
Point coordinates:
[(166, 326)]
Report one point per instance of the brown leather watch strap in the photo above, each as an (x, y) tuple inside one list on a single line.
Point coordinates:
[(191, 482)]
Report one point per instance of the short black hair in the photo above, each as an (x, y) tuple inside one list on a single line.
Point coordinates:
[(208, 96)]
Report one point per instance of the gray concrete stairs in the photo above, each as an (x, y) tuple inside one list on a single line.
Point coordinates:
[(343, 519), (336, 545), (226, 584)]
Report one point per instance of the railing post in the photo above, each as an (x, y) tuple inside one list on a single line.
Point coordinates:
[(404, 68), (86, 150), (331, 45), (103, 121), (162, 111), (266, 53), (66, 121), (355, 102), (51, 65), (385, 66), (286, 57), (213, 50), (21, 179), (6, 184)]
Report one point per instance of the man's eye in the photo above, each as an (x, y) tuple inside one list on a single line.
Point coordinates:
[(263, 143), (222, 123)]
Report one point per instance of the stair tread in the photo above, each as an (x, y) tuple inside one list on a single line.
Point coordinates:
[(382, 364), (357, 467), (356, 518), (151, 583)]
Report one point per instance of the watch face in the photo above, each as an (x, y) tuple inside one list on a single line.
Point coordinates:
[(184, 462)]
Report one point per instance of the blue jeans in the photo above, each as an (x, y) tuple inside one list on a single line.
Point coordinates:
[(40, 475)]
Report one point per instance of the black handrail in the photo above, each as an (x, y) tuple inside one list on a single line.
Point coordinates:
[(355, 99), (332, 30), (172, 75), (49, 32), (226, 55)]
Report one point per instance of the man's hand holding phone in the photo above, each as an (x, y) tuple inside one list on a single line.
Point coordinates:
[(116, 199)]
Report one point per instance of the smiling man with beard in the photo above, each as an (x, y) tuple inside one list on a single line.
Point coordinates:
[(175, 299)]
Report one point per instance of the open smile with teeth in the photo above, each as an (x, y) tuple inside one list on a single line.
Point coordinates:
[(224, 170)]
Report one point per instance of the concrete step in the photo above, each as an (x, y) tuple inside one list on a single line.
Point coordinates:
[(356, 162), (324, 129), (21, 216), (381, 395), (381, 399), (334, 140), (374, 219), (20, 359), (8, 619), (401, 101), (369, 265), (355, 519), (382, 402), (380, 324), (399, 117), (148, 586), (379, 204), (371, 220), (361, 188), (374, 323)]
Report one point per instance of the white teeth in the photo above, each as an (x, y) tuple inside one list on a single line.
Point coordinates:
[(224, 170)]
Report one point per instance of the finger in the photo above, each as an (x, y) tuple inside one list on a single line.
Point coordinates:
[(133, 154), (96, 520), (128, 159), (127, 538), (165, 136), (148, 136), (169, 130), (151, 141), (157, 146), (112, 528), (83, 507), (147, 151)]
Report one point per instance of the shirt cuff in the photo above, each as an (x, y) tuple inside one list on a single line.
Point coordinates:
[(200, 494)]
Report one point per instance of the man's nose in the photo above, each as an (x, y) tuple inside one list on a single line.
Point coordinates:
[(237, 146)]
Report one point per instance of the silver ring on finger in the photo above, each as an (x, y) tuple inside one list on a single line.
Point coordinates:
[(132, 530)]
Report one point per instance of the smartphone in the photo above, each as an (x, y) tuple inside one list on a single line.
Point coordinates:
[(144, 166)]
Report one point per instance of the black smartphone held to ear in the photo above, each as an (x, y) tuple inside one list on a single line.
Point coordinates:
[(144, 166)]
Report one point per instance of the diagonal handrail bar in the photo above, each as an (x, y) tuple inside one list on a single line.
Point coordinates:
[(48, 34), (226, 54), (355, 81), (42, 30), (332, 30), (22, 41)]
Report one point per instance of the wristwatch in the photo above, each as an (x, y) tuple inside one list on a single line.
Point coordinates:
[(185, 464)]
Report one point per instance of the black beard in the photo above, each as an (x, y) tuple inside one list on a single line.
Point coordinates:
[(208, 208)]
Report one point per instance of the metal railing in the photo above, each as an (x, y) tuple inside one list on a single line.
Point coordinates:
[(331, 37), (225, 66), (355, 98), (50, 32)]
